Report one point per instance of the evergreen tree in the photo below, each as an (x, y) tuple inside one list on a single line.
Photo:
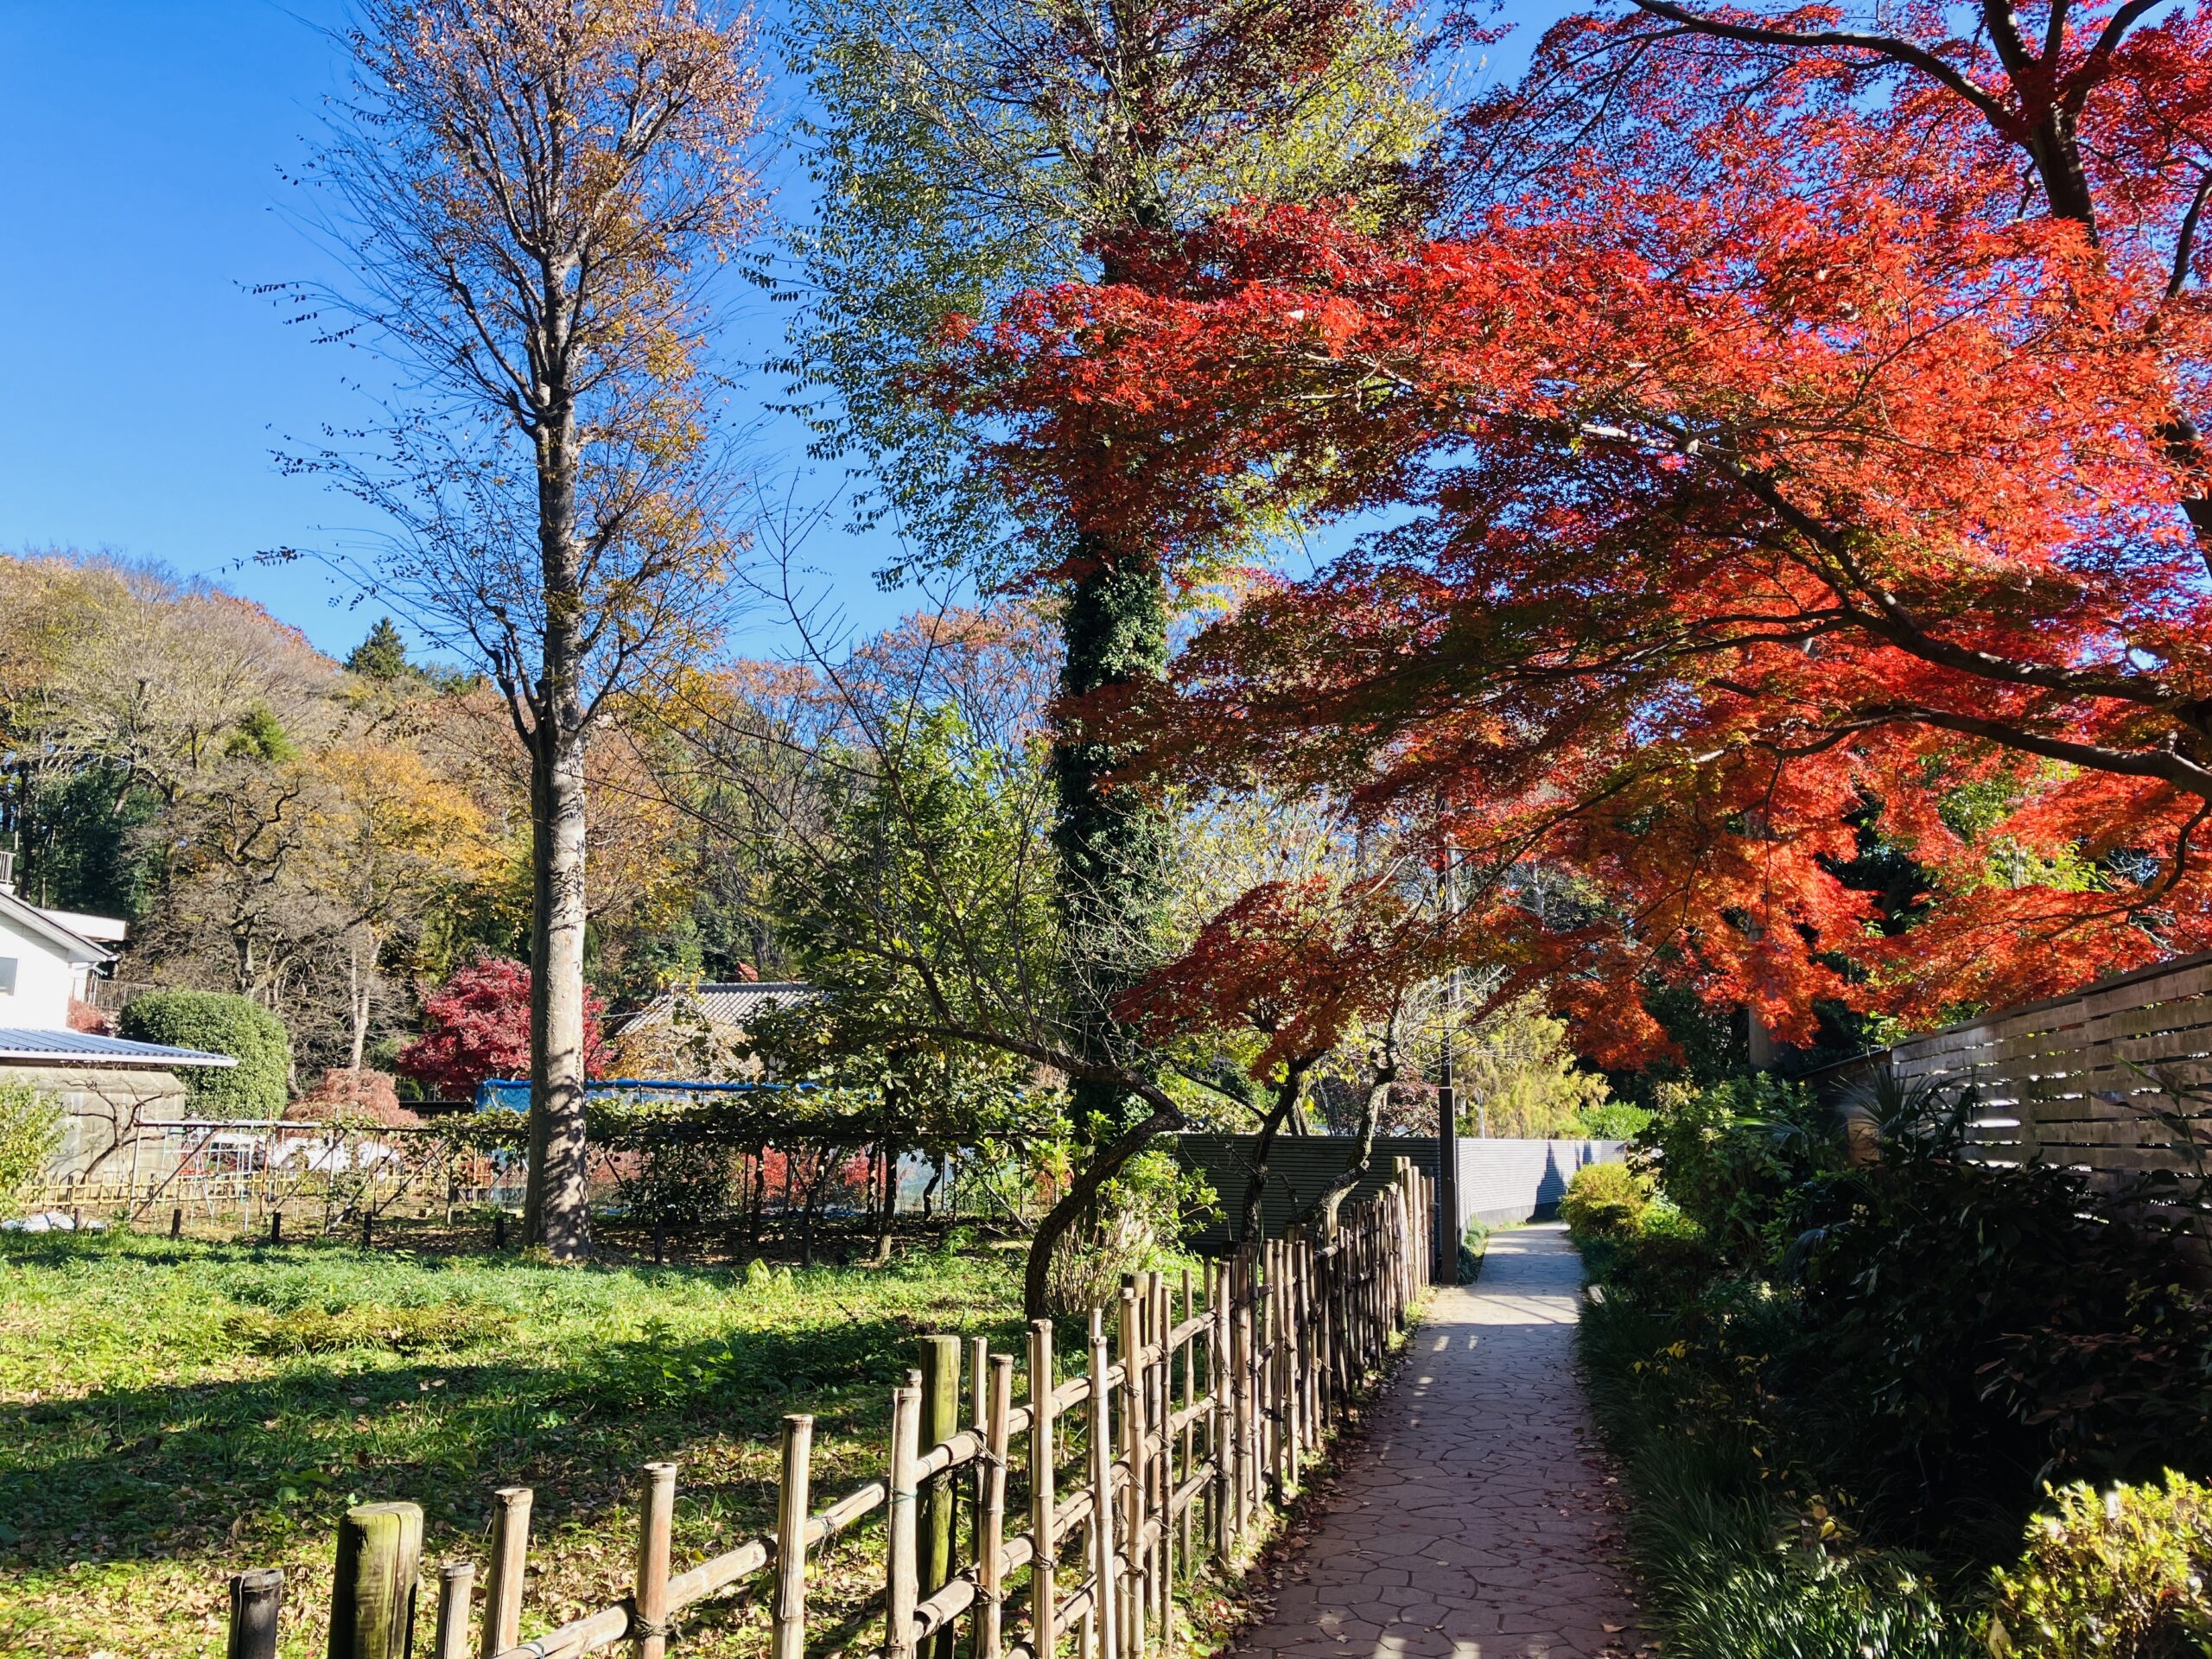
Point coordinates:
[(382, 656)]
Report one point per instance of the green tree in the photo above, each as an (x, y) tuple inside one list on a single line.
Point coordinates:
[(220, 1024), (970, 149), (382, 656)]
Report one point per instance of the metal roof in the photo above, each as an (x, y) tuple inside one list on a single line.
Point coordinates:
[(88, 1048)]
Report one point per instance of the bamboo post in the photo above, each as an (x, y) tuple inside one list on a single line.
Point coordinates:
[(1239, 1384), (979, 1419), (456, 1579), (900, 1565), (372, 1597), (990, 1551), (649, 1596), (1220, 1440), (1161, 1412), (257, 1603), (940, 1421), (1185, 1401), (503, 1587), (1103, 1578), (1133, 1496), (1043, 1627), (793, 1495)]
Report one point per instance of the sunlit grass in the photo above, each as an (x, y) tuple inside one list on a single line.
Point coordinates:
[(171, 1413)]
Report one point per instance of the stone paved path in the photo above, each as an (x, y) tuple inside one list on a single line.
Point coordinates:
[(1469, 1525)]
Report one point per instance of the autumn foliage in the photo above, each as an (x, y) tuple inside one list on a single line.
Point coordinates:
[(477, 1026), (1784, 439)]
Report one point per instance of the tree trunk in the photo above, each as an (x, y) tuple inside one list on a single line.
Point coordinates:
[(1255, 1190), (1110, 844), (358, 1001), (1104, 1164), (556, 1210)]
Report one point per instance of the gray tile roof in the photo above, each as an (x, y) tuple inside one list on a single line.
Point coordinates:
[(729, 1006), (87, 1048)]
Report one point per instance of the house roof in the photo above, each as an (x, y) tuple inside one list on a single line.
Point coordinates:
[(87, 1048), (52, 927), (731, 1004)]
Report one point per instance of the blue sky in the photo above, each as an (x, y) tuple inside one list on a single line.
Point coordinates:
[(145, 388), (143, 145)]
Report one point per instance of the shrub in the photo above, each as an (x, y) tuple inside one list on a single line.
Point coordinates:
[(2119, 1575), (1141, 1214), (30, 1130), (1742, 1159), (678, 1183), (348, 1096), (1613, 1120), (1604, 1201), (221, 1024)]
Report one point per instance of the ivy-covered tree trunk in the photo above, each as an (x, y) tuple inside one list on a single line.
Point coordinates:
[(1111, 845)]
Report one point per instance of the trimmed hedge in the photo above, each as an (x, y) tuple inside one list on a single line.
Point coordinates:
[(256, 1086)]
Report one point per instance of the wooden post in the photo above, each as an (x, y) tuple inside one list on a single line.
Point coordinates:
[(979, 1419), (1133, 1582), (1240, 1389), (1160, 1411), (372, 1597), (456, 1580), (503, 1586), (1220, 1442), (793, 1495), (940, 1421), (1104, 1580), (656, 1521), (900, 1565), (256, 1603), (1184, 1401), (990, 1550), (176, 1222), (1044, 1628)]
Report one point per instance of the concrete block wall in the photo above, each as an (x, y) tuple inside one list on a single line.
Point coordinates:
[(1500, 1180)]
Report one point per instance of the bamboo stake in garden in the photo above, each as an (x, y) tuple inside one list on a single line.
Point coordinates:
[(990, 1549), (1044, 1534), (900, 1565), (656, 1522), (503, 1586), (1103, 1584), (456, 1579), (793, 1494)]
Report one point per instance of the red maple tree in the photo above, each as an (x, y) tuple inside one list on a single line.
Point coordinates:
[(1789, 441), (477, 1026)]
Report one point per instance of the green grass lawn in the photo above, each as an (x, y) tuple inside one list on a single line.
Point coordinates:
[(171, 1413)]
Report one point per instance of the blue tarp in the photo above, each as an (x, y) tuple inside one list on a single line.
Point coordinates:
[(512, 1094)]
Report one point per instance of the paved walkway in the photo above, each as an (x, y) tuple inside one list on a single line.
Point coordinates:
[(1475, 1523)]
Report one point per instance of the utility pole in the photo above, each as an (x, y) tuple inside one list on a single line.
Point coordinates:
[(1447, 1107)]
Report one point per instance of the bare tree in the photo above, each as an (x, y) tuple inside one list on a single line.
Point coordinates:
[(533, 191)]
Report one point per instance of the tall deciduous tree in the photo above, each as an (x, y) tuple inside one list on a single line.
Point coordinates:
[(1790, 439), (530, 187), (972, 146)]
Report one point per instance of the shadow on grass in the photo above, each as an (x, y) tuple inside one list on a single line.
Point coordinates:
[(248, 1466)]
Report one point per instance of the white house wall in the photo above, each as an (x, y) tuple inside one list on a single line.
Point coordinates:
[(45, 980)]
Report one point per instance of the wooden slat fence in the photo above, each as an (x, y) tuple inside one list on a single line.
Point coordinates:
[(1087, 1497), (2113, 1079)]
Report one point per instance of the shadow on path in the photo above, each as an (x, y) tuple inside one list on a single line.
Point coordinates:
[(1474, 1524)]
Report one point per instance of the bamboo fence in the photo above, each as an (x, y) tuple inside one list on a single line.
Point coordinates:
[(1087, 1497)]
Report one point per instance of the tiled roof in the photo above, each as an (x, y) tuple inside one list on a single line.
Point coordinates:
[(731, 1006), (86, 1048)]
